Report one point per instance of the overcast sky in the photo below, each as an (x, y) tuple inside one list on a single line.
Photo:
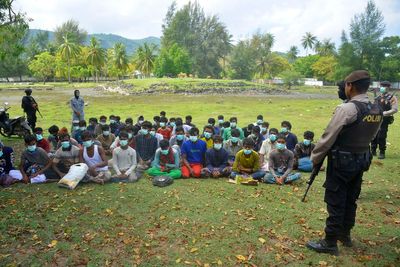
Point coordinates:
[(287, 20)]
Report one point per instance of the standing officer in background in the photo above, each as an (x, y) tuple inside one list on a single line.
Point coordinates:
[(77, 105), (346, 143), (30, 107), (389, 105)]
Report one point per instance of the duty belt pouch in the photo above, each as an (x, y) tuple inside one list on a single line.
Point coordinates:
[(345, 161)]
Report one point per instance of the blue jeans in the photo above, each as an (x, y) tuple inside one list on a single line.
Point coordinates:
[(270, 179), (305, 164), (258, 175)]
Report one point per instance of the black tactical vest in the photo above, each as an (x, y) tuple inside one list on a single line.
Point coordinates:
[(357, 136), (384, 101)]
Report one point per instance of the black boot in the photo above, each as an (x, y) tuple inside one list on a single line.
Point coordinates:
[(346, 240), (381, 155), (373, 151), (324, 246)]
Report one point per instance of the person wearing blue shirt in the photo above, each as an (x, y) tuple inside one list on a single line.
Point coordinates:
[(193, 152), (216, 160), (291, 138)]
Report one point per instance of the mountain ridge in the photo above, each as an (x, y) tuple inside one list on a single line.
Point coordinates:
[(107, 40)]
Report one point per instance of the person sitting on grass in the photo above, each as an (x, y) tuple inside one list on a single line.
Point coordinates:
[(267, 146), (207, 136), (291, 138), (216, 128), (146, 146), (95, 157), (164, 130), (233, 125), (92, 125), (233, 146), (106, 139), (114, 125), (158, 136), (178, 139), (66, 156), (188, 123), (166, 162), (124, 160), (247, 162), (302, 153), (78, 133), (62, 131), (35, 164), (193, 152), (53, 137), (264, 129), (281, 164), (257, 137), (97, 130), (131, 139), (40, 140), (216, 160), (247, 131), (8, 174)]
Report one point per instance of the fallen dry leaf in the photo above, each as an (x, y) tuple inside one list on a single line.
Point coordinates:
[(262, 240), (241, 258), (52, 244)]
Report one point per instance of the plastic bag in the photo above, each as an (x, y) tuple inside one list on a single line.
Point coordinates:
[(74, 176)]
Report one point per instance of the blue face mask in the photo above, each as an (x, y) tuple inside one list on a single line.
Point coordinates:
[(220, 121), (82, 128), (162, 124), (207, 135), (130, 135), (172, 124), (88, 143), (263, 129), (247, 151), (76, 128), (234, 139), (180, 137), (144, 131), (152, 133), (39, 137), (306, 142), (280, 146), (233, 124), (259, 122), (382, 90), (272, 137), (31, 148), (1, 153), (123, 142), (106, 133), (284, 130), (164, 151), (193, 138), (112, 121), (217, 146), (65, 144)]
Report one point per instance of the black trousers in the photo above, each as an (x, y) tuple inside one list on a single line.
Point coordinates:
[(31, 117), (380, 138), (342, 189)]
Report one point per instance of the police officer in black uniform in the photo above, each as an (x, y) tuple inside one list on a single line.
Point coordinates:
[(30, 107), (388, 103), (346, 144)]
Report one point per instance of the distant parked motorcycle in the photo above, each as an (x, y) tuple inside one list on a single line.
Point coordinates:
[(17, 126)]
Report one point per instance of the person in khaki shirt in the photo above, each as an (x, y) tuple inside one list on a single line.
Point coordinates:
[(346, 142)]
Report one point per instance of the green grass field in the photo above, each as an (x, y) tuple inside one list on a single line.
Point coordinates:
[(193, 222)]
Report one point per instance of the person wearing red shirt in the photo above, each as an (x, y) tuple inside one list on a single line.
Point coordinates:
[(40, 141), (164, 130)]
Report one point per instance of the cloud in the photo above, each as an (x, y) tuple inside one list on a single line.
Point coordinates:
[(288, 20)]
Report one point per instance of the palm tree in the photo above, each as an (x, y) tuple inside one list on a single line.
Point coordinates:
[(120, 59), (96, 56), (145, 58), (308, 41), (68, 51), (262, 43), (292, 53), (326, 48)]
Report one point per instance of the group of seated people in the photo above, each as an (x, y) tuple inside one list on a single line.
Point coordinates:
[(173, 147)]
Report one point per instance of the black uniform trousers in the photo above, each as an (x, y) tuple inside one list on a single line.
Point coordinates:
[(342, 189), (380, 138), (31, 117)]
